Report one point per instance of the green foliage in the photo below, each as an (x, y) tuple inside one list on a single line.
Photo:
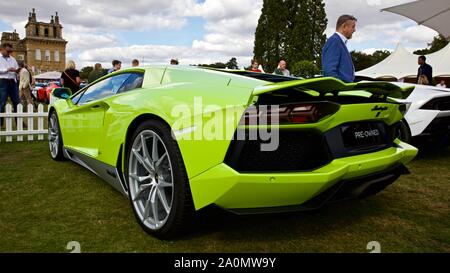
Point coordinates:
[(438, 43), (84, 72), (362, 60), (290, 29), (214, 65), (305, 69), (232, 64)]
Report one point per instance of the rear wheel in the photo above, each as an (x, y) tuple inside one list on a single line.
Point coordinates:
[(158, 186), (403, 132), (55, 142)]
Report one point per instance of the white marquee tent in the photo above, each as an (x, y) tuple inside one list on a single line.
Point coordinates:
[(402, 64), (52, 75)]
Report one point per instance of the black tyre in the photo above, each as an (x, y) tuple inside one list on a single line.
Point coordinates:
[(159, 189), (403, 132), (55, 141)]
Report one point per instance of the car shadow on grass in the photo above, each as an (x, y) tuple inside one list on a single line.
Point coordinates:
[(437, 152), (333, 217)]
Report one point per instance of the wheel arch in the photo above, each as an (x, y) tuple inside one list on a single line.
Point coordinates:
[(51, 110), (408, 128), (132, 127)]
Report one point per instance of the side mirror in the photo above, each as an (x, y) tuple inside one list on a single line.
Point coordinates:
[(62, 93)]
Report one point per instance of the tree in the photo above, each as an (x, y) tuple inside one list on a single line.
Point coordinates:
[(290, 29), (84, 72), (232, 64), (362, 60), (305, 69), (380, 55), (438, 43), (214, 65)]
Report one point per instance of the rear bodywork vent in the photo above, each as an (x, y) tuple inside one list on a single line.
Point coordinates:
[(442, 104), (298, 150)]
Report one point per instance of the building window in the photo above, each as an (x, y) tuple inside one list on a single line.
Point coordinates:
[(38, 54), (37, 31), (46, 32), (56, 56), (47, 55)]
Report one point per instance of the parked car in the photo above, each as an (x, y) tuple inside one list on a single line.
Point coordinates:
[(428, 116), (147, 132), (34, 90), (44, 92), (427, 120)]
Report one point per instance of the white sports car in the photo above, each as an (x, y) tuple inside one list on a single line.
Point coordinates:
[(428, 116)]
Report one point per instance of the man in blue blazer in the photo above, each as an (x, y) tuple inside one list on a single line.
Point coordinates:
[(336, 59)]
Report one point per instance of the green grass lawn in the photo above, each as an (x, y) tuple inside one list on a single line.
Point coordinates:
[(45, 204)]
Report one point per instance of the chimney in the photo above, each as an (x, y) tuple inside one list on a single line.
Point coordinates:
[(33, 15)]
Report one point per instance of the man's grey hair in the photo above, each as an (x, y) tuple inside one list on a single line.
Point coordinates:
[(344, 19)]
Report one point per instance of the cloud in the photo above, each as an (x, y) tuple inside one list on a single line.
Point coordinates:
[(83, 41), (93, 27), (154, 54), (372, 50), (104, 14)]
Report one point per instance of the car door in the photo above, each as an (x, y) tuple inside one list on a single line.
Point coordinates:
[(84, 123)]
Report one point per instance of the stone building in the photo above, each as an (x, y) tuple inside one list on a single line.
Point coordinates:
[(43, 47)]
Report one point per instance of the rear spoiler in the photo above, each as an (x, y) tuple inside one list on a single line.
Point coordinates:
[(329, 85)]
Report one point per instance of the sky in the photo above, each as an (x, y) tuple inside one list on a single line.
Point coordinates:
[(194, 31)]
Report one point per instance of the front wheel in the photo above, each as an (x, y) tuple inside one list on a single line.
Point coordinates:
[(158, 185)]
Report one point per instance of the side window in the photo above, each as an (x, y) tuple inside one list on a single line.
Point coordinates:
[(133, 82), (76, 98), (103, 89)]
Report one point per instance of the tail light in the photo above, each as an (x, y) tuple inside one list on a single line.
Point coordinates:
[(404, 107), (296, 113)]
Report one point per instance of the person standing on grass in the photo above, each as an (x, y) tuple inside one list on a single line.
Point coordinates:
[(25, 83), (70, 78), (97, 73), (117, 65), (281, 69), (135, 63), (8, 78), (255, 66), (336, 59), (442, 84), (424, 70)]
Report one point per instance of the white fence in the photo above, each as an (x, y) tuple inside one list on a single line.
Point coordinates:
[(22, 119)]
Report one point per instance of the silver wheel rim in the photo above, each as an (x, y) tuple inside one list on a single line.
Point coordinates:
[(53, 135), (151, 179)]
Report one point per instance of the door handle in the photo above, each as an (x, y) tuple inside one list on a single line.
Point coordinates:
[(97, 106)]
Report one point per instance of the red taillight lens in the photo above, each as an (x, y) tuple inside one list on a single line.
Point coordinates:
[(296, 113)]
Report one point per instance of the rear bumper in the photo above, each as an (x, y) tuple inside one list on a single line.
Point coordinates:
[(261, 192)]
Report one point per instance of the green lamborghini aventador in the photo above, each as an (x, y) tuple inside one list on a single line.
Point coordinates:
[(175, 140)]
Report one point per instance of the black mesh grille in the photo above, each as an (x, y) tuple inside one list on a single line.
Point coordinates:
[(298, 150), (304, 149)]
